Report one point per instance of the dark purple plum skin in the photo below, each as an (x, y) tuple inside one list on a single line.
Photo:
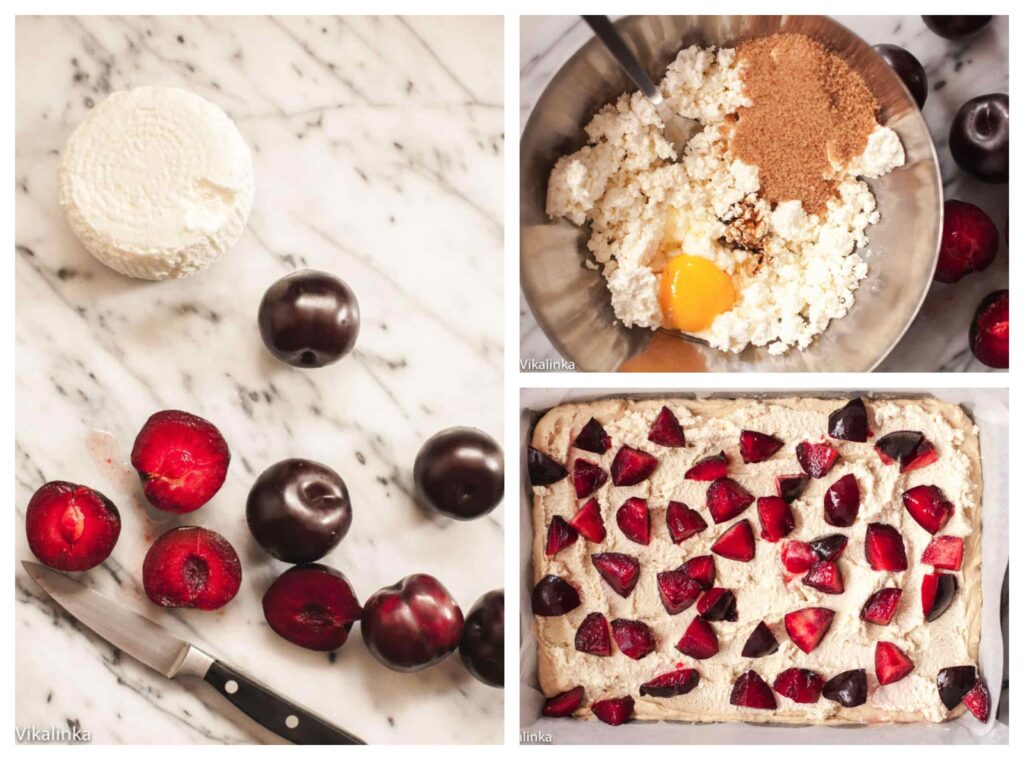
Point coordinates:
[(309, 319), (460, 473), (483, 639), (298, 510), (412, 624), (979, 137), (907, 68), (554, 596), (957, 27)]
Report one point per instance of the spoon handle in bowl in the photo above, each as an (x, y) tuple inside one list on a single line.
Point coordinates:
[(610, 37)]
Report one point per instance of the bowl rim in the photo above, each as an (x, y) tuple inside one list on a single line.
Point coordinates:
[(932, 160)]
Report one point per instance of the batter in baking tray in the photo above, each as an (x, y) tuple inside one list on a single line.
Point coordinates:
[(795, 560)]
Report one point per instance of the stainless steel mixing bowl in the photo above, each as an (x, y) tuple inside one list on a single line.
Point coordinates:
[(571, 302)]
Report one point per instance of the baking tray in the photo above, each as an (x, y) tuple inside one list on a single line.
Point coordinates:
[(989, 408)]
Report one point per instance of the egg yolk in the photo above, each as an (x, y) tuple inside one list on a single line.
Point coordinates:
[(693, 292)]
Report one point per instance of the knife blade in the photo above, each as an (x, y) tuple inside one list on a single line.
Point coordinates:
[(140, 637), (157, 648)]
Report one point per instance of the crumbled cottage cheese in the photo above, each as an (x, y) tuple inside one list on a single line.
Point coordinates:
[(645, 204), (884, 152)]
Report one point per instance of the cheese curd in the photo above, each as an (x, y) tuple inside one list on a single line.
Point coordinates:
[(156, 182)]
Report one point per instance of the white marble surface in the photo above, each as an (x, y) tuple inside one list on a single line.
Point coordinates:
[(378, 149), (937, 341)]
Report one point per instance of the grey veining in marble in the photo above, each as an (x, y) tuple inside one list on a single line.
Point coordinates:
[(937, 340), (378, 149)]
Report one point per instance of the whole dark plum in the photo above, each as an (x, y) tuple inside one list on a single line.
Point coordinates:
[(957, 27), (979, 138), (309, 318), (907, 68), (483, 639), (413, 624), (460, 473), (298, 510)]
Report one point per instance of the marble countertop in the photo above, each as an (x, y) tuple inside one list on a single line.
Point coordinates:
[(378, 150), (937, 340)]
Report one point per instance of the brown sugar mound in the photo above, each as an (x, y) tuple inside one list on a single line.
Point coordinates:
[(808, 107)]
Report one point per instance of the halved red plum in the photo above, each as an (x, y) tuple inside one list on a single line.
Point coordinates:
[(761, 642), (750, 690), (634, 638), (181, 459), (191, 567), (891, 663), (808, 626), (800, 685), (737, 543), (71, 527), (826, 577), (615, 711), (312, 606), (944, 552), (677, 590), (954, 683), (777, 520), (718, 604), (881, 606), (790, 487), (699, 640)]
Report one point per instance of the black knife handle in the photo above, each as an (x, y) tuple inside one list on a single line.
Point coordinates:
[(272, 711)]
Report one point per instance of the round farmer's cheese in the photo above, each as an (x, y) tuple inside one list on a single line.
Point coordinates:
[(157, 182)]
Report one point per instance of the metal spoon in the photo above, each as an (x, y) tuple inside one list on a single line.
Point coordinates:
[(678, 129)]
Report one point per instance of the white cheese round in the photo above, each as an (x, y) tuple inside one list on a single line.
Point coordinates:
[(157, 182)]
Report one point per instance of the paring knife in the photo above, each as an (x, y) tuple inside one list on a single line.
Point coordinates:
[(168, 655)]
